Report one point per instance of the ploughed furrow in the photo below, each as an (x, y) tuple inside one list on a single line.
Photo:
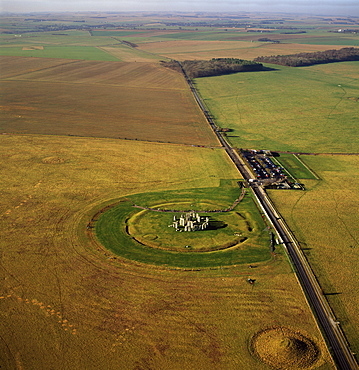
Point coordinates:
[(144, 75), (17, 67)]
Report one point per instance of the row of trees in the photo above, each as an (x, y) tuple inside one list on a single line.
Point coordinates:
[(307, 59), (215, 66)]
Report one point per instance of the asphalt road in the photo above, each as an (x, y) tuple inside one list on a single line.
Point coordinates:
[(338, 346), (335, 338)]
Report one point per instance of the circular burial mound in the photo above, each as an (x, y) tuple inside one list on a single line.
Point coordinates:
[(283, 349)]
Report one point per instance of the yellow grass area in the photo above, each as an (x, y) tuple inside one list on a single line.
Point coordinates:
[(33, 48), (346, 70), (325, 220), (102, 99), (128, 54), (186, 49), (65, 304)]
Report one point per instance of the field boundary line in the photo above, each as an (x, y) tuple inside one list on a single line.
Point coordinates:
[(316, 154), (10, 133), (308, 168), (285, 168)]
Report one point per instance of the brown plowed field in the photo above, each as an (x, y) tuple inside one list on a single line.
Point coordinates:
[(15, 66), (195, 49), (103, 99)]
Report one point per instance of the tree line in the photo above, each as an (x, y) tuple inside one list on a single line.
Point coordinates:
[(307, 59), (215, 66)]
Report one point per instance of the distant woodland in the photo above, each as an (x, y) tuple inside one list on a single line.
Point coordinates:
[(215, 66), (307, 59)]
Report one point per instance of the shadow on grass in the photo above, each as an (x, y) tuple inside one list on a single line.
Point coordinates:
[(216, 225)]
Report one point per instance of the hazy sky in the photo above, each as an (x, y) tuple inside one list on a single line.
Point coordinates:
[(320, 7)]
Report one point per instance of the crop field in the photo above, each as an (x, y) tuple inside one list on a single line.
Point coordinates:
[(310, 109), (117, 33), (66, 303), (95, 132), (78, 38), (128, 54), (329, 42), (325, 221), (155, 40), (243, 49), (64, 52), (102, 100)]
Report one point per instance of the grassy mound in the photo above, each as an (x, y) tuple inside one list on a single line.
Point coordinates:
[(283, 348)]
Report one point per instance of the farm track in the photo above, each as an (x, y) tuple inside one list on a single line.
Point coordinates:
[(336, 340), (133, 139)]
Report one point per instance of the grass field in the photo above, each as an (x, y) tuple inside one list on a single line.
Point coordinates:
[(68, 302), (344, 41), (63, 298), (69, 38), (158, 40), (102, 99), (155, 243), (242, 49), (297, 168), (324, 219), (128, 54), (64, 52), (311, 109)]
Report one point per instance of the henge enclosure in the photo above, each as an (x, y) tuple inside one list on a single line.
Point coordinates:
[(91, 118)]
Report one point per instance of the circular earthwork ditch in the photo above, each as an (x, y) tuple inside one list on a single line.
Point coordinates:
[(146, 234)]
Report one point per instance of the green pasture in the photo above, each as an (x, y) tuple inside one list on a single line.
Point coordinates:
[(312, 36), (64, 39), (307, 109), (325, 220), (71, 39), (112, 225), (203, 35), (63, 52), (347, 40), (225, 229), (114, 33), (295, 166)]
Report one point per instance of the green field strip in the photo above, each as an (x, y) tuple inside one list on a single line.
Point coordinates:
[(309, 169), (288, 116), (295, 167), (340, 41), (63, 52), (111, 33)]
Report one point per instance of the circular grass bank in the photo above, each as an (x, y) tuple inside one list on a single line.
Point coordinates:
[(156, 229), (140, 228)]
